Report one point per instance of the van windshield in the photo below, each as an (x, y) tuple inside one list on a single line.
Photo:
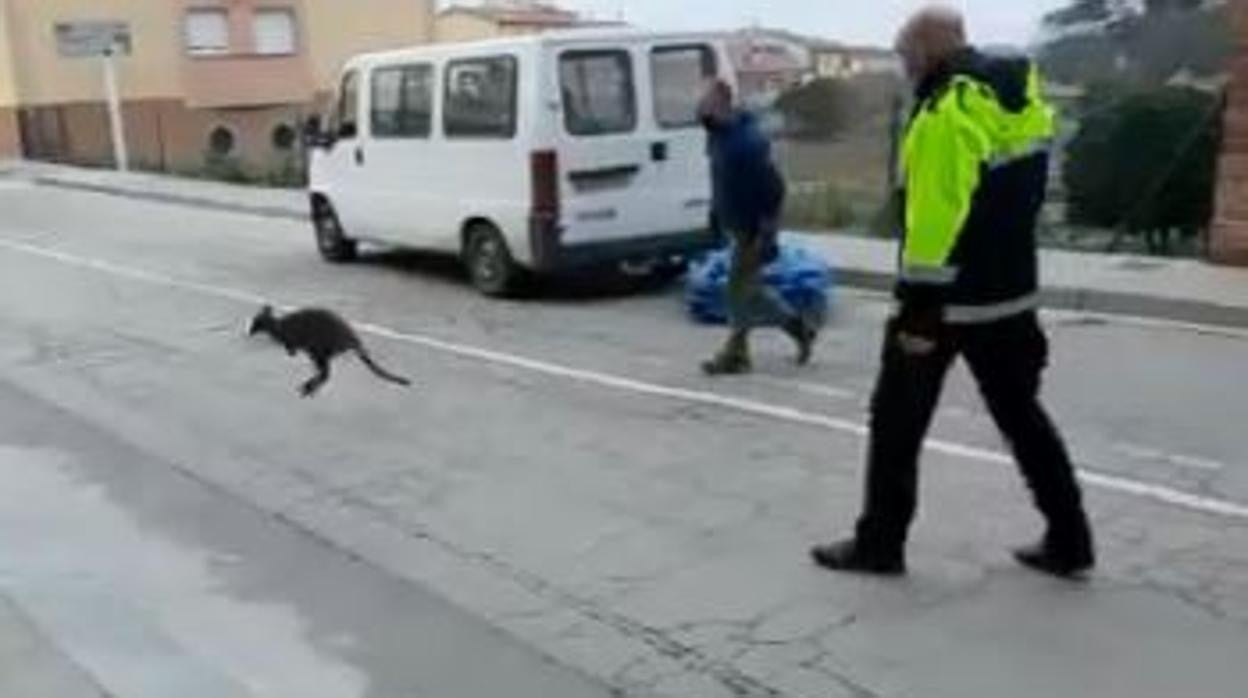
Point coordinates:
[(598, 92)]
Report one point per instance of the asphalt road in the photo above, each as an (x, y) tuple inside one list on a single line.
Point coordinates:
[(561, 505)]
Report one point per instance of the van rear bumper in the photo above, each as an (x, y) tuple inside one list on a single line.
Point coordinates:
[(550, 255)]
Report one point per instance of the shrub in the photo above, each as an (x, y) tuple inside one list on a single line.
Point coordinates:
[(1146, 165)]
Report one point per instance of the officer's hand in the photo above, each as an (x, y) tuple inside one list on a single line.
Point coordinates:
[(918, 329), (915, 345)]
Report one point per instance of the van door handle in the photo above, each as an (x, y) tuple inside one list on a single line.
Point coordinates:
[(581, 177), (359, 155), (658, 151)]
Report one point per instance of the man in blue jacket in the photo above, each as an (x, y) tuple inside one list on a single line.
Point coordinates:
[(748, 193)]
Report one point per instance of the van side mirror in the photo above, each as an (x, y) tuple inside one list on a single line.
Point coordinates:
[(348, 130), (313, 135)]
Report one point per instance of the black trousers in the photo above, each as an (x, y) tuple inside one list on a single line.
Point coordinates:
[(1007, 359)]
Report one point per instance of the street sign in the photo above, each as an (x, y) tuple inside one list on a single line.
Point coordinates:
[(92, 39)]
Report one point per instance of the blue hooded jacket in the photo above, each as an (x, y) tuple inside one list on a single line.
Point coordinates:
[(748, 189)]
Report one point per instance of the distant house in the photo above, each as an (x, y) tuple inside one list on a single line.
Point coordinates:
[(498, 18), (768, 62), (840, 61)]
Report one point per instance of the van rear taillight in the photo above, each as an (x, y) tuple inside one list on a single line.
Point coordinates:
[(544, 214), (545, 168)]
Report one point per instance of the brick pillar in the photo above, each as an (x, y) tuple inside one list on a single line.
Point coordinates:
[(10, 138), (1229, 241)]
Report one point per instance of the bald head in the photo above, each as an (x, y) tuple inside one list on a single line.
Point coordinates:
[(930, 37)]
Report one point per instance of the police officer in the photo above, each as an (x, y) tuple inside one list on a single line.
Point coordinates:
[(975, 172), (748, 193)]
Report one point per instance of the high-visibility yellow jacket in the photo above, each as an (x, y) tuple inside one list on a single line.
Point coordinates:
[(975, 163)]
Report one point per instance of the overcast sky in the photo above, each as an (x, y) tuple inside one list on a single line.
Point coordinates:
[(858, 21)]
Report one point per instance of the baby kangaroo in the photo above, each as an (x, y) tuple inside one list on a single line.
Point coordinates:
[(323, 336)]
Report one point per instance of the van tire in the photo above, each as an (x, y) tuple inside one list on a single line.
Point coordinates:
[(669, 272), (331, 240), (490, 265)]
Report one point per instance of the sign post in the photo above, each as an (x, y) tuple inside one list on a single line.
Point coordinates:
[(116, 123), (105, 40)]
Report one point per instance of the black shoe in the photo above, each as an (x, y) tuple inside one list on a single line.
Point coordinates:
[(727, 365), (1047, 559), (804, 335), (848, 556)]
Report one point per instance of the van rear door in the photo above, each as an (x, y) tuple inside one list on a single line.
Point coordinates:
[(677, 77), (631, 153), (603, 159)]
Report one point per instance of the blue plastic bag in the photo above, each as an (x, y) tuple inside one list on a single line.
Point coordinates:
[(800, 276)]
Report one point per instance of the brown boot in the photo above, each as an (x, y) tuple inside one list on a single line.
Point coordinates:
[(727, 365), (732, 360)]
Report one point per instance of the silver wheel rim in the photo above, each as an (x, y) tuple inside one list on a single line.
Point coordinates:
[(326, 232), (488, 263)]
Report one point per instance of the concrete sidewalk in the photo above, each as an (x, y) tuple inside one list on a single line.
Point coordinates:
[(31, 666), (1181, 290), (220, 196)]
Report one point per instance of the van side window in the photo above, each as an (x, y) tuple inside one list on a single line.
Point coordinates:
[(680, 74), (598, 92), (481, 98), (346, 119), (402, 104)]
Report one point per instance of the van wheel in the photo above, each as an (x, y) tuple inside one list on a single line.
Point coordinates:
[(331, 240), (490, 266), (668, 272)]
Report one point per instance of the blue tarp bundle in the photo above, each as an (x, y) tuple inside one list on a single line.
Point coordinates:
[(801, 277)]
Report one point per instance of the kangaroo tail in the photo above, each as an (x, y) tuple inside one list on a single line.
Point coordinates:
[(378, 370)]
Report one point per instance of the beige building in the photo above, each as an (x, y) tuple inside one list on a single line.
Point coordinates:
[(10, 146), (493, 19), (200, 80)]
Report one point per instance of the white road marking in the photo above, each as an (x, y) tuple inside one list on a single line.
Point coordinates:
[(816, 389), (1114, 483), (1197, 463), (1178, 460)]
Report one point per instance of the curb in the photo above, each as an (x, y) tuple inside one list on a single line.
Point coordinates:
[(1056, 298), (1086, 300), (205, 203)]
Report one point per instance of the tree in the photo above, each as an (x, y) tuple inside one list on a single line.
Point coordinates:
[(818, 110), (1078, 12), (1156, 7), (1170, 37), (1146, 165)]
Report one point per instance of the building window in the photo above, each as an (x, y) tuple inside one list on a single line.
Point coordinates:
[(679, 76), (221, 141), (402, 103), (284, 137), (274, 32), (207, 32), (481, 98), (598, 93)]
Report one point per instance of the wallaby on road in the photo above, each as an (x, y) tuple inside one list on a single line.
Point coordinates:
[(321, 334)]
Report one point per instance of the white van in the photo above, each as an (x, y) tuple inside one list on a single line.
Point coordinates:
[(532, 154)]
